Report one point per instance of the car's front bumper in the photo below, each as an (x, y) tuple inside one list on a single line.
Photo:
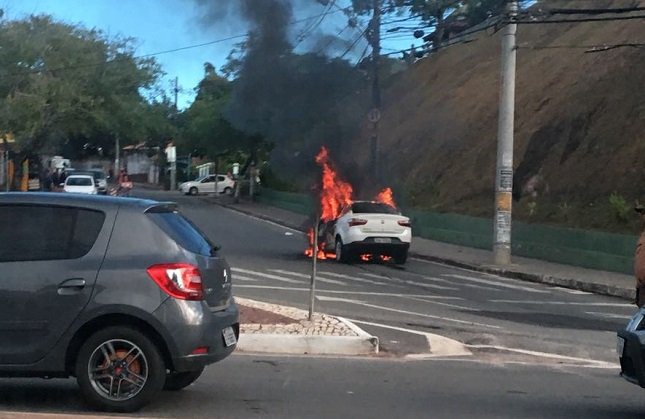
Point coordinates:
[(192, 325)]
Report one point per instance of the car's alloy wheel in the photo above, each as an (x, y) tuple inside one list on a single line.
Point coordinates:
[(119, 369), (193, 191), (228, 191)]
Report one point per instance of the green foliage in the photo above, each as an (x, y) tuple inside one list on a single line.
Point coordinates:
[(619, 207), (205, 129), (62, 85)]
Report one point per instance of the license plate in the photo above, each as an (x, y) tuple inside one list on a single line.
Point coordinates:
[(382, 240), (620, 346), (229, 337)]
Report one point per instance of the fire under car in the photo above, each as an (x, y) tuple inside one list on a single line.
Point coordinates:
[(365, 230)]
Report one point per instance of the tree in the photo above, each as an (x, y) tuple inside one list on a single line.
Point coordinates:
[(64, 85), (205, 127)]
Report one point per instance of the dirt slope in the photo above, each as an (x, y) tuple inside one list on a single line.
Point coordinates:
[(580, 125)]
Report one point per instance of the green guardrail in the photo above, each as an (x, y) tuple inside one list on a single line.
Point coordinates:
[(584, 248)]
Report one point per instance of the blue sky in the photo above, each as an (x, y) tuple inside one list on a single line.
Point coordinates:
[(160, 25)]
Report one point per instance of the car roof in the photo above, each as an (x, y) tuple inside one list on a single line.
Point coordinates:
[(79, 175), (87, 201)]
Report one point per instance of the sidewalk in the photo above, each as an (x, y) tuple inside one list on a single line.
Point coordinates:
[(534, 270)]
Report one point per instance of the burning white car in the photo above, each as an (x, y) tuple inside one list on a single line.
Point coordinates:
[(367, 229)]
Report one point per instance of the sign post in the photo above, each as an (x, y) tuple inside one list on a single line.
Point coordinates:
[(171, 156), (314, 259)]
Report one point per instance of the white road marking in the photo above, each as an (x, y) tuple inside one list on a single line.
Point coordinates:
[(410, 282), (262, 274), (437, 345), (443, 304), (301, 275), (496, 283), (599, 364), (383, 294), (239, 277), (565, 303), (570, 291), (412, 313), (609, 315), (353, 278)]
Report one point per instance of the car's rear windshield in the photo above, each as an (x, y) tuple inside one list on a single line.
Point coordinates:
[(79, 181), (184, 232), (373, 208)]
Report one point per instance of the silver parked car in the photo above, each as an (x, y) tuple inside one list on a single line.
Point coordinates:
[(124, 294)]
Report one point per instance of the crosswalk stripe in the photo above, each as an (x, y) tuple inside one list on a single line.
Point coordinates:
[(239, 277), (496, 283), (264, 275), (416, 283), (354, 278), (301, 275)]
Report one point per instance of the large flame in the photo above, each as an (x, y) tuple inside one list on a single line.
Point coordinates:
[(335, 193), (386, 196)]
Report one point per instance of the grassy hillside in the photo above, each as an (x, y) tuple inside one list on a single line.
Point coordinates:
[(580, 126)]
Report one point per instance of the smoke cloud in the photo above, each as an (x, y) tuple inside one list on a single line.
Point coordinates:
[(296, 101)]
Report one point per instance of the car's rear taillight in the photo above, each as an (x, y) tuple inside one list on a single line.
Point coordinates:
[(405, 223), (357, 222), (178, 280)]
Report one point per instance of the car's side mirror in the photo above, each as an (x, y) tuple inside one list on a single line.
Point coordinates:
[(61, 185)]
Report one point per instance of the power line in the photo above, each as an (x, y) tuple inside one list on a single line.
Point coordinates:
[(353, 44), (588, 48), (163, 52), (583, 20)]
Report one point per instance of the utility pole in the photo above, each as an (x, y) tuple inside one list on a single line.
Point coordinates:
[(504, 168), (117, 161), (375, 41)]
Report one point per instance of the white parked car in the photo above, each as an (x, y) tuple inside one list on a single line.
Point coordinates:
[(367, 227), (206, 184), (80, 184)]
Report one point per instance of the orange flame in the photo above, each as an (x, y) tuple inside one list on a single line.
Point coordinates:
[(335, 193), (386, 196)]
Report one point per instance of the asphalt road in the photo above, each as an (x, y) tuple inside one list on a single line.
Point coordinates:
[(246, 386), (487, 311), (395, 304)]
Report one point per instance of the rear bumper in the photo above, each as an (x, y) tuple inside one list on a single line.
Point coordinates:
[(369, 245), (194, 326), (632, 360)]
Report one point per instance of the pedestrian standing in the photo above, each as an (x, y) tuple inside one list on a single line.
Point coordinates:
[(639, 262)]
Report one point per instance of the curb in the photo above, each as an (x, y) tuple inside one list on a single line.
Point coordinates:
[(571, 283), (576, 284), (308, 345)]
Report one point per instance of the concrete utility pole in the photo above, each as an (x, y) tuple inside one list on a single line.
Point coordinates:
[(117, 162), (375, 41), (504, 169)]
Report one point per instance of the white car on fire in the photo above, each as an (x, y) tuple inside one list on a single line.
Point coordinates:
[(368, 227)]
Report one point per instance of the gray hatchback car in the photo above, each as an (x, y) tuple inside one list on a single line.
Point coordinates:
[(126, 295)]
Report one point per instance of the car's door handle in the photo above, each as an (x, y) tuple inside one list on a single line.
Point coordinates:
[(70, 286)]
